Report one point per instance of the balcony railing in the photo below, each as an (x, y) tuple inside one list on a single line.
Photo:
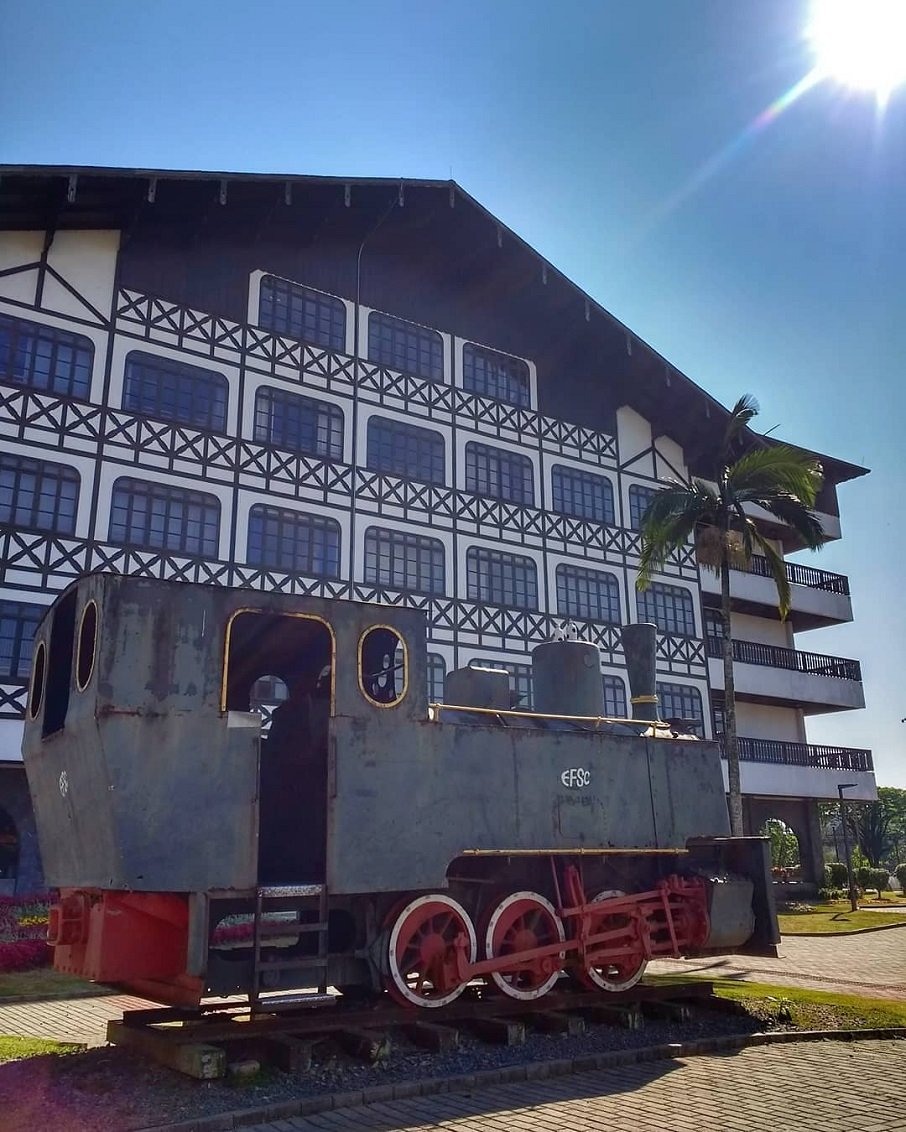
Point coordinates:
[(773, 656), (803, 754), (799, 575)]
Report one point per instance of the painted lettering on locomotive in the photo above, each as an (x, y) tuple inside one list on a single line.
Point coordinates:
[(351, 835)]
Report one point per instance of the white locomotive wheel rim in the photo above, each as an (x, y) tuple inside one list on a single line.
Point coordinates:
[(500, 978), (399, 979), (594, 973)]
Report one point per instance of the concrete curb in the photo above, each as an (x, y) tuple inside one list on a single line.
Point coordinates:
[(532, 1071)]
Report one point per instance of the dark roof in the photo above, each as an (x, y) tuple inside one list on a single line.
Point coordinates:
[(49, 196)]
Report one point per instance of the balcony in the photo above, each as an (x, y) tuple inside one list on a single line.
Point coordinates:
[(819, 597), (773, 768), (775, 675)]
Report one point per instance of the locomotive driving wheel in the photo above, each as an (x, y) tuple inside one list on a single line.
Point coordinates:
[(524, 921), (623, 971), (421, 958)]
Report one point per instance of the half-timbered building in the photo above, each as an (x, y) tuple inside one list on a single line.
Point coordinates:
[(370, 389)]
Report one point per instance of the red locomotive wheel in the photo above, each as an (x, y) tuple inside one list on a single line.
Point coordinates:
[(522, 922), (626, 971), (420, 952)]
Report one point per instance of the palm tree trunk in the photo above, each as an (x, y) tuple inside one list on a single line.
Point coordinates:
[(731, 742)]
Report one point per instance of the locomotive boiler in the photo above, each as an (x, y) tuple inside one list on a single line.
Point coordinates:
[(354, 836)]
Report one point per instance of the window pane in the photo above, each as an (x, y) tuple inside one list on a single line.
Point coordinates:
[(591, 594), (153, 516), (639, 498), (38, 494), (18, 622), (405, 346), (302, 424), (501, 579), (499, 473), (290, 540), (583, 495), (495, 375), (300, 312), (403, 561), (669, 607), (683, 704), (42, 357), (405, 450), (175, 391), (520, 681), (437, 671), (614, 697)]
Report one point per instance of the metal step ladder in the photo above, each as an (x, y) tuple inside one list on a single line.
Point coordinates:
[(303, 897)]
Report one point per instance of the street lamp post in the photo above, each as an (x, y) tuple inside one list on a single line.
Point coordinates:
[(853, 898)]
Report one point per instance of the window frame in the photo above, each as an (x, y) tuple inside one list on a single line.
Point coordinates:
[(291, 525), (75, 387), (21, 645), (512, 388), (380, 452), (153, 491), (423, 348), (666, 688), (566, 571), (479, 559), (652, 601), (494, 472), (327, 436), (636, 513), (605, 514), (299, 298), (615, 683), (388, 543), (214, 416), (45, 472)]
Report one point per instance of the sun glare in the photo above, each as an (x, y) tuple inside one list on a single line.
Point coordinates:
[(860, 43)]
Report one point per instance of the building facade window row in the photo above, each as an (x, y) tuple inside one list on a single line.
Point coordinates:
[(45, 358)]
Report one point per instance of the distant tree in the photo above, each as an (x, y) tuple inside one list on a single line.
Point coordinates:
[(784, 844), (747, 473), (880, 827)]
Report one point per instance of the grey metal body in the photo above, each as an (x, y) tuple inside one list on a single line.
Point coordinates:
[(151, 785), (566, 678)]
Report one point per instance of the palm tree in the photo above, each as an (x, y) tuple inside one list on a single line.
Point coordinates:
[(748, 472)]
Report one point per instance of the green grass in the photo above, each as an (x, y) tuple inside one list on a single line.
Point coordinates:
[(829, 919), (801, 1008), (14, 1049), (45, 983)]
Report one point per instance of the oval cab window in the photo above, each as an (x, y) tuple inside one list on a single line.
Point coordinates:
[(88, 637), (383, 666), (38, 672)]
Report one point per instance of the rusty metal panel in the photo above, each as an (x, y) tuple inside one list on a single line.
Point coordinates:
[(408, 800)]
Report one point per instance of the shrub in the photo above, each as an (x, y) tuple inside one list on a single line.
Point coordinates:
[(827, 894), (863, 877), (900, 874), (835, 875), (879, 879)]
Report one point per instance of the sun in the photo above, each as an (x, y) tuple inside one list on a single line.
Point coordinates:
[(860, 43)]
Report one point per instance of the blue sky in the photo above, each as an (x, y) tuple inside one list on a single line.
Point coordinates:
[(623, 140)]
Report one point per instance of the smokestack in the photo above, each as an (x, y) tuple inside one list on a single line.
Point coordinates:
[(639, 644)]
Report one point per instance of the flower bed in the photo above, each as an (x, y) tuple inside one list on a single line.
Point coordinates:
[(23, 931)]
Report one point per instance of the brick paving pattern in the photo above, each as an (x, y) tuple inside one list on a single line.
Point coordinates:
[(831, 1086), (82, 1020), (871, 964)]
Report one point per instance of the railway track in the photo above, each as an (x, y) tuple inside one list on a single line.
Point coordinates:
[(201, 1043)]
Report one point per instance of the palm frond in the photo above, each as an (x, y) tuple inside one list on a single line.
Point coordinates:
[(778, 468), (660, 540), (790, 511), (778, 571), (741, 415)]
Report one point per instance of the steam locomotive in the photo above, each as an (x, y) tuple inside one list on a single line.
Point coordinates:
[(354, 836)]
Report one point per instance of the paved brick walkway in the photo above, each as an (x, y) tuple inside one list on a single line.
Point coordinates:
[(81, 1020), (871, 964), (831, 1086)]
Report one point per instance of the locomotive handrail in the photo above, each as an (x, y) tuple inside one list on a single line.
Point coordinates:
[(595, 719)]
